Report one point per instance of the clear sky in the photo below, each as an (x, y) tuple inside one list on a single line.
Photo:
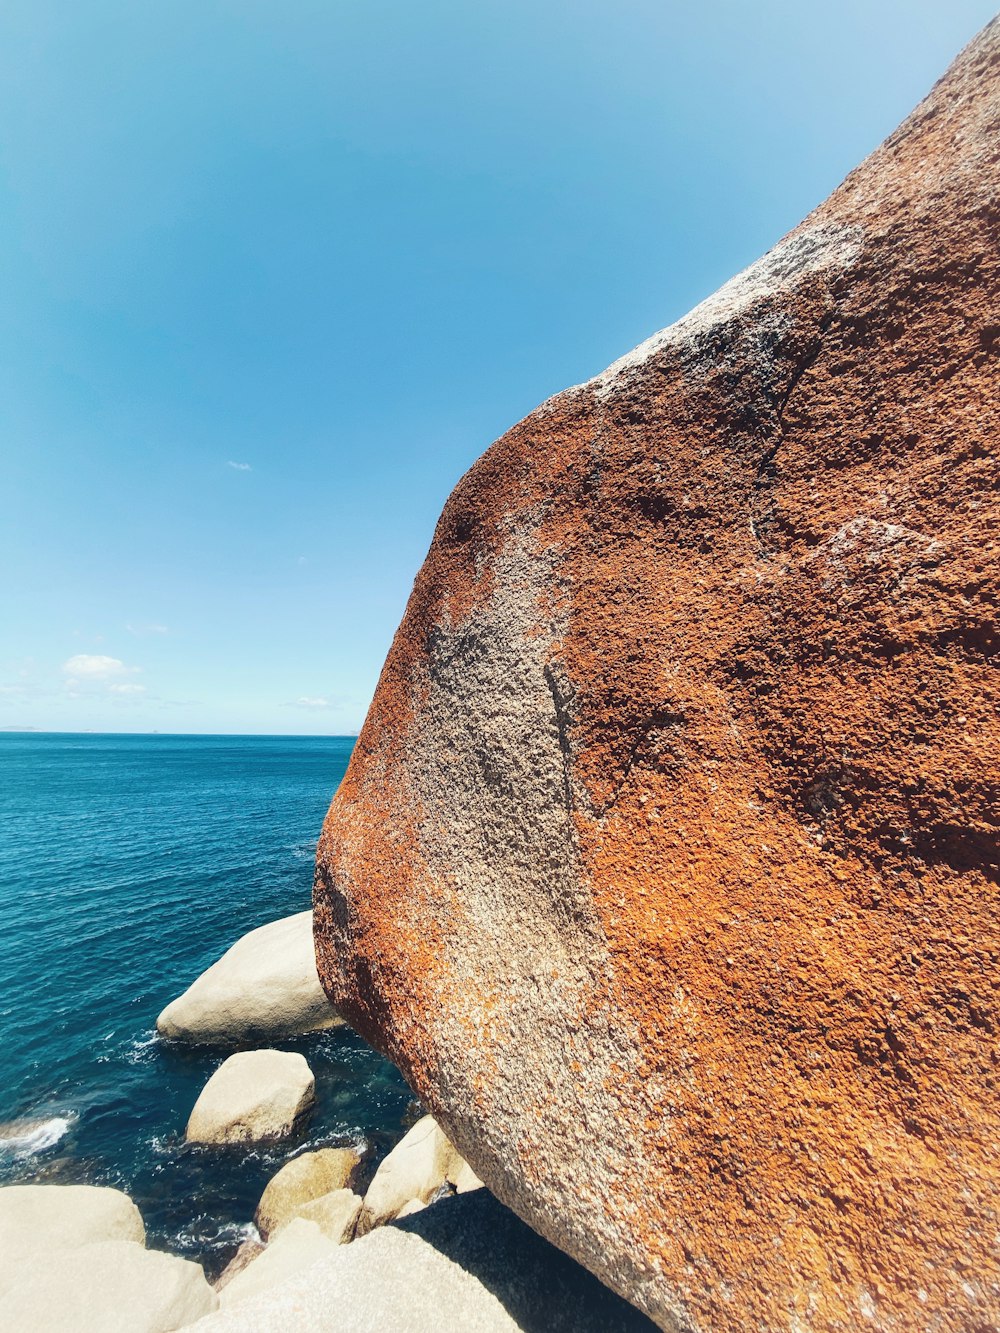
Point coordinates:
[(275, 272)]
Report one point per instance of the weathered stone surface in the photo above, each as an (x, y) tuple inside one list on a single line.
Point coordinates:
[(112, 1286), (253, 1097), (665, 865), (336, 1214), (414, 1169), (37, 1221), (466, 1264), (301, 1180), (264, 988)]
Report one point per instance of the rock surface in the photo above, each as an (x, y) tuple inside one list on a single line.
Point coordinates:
[(416, 1168), (301, 1180), (112, 1286), (253, 1097), (336, 1214), (36, 1221), (665, 866), (264, 988), (250, 1250), (466, 1263), (297, 1246)]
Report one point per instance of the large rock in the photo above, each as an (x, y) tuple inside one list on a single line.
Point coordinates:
[(36, 1221), (301, 1180), (264, 988), (665, 863), (298, 1246), (467, 1263), (112, 1286), (253, 1097), (416, 1168)]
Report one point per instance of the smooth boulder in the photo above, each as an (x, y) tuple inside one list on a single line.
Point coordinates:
[(264, 988), (112, 1286), (297, 1246), (253, 1097), (665, 864), (414, 1169), (37, 1221), (300, 1181)]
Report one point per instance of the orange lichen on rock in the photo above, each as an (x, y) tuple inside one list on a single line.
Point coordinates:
[(666, 865)]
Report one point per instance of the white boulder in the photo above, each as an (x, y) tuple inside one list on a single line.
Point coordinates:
[(39, 1220), (415, 1169), (112, 1286), (265, 988), (253, 1097)]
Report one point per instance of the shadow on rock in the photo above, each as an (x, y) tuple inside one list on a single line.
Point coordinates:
[(542, 1289)]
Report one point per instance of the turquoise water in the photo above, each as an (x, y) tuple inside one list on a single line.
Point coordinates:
[(128, 864)]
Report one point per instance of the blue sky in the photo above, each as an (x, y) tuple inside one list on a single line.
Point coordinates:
[(275, 274)]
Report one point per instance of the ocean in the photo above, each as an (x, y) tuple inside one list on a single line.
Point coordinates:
[(128, 864)]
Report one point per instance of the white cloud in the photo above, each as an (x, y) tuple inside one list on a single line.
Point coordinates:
[(96, 666), (140, 630), (308, 701), (240, 467), (127, 688)]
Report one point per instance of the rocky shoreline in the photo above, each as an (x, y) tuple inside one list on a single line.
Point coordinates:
[(317, 1205)]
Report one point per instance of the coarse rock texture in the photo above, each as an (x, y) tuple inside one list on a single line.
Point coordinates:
[(112, 1286), (666, 863), (264, 988), (336, 1214), (36, 1221), (253, 1097), (415, 1169), (466, 1263), (301, 1180)]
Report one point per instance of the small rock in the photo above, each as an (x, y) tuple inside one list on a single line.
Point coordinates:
[(253, 1097), (462, 1176), (415, 1169), (265, 988), (304, 1178)]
